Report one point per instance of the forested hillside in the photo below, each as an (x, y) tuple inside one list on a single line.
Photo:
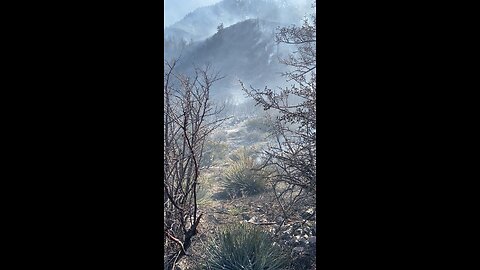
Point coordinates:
[(202, 22), (244, 51)]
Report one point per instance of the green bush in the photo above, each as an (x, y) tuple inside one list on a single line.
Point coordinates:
[(245, 247), (243, 177)]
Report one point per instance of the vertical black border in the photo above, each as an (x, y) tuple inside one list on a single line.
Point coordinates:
[(108, 74), (93, 126)]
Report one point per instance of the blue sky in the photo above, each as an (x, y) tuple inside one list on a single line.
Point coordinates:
[(174, 10)]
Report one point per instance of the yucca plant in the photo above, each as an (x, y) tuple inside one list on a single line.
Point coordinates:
[(244, 247), (243, 177)]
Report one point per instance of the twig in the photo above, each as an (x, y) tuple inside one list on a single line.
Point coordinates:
[(261, 223), (177, 241)]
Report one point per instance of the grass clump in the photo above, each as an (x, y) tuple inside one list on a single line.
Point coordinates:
[(243, 177), (204, 186), (245, 247), (235, 211)]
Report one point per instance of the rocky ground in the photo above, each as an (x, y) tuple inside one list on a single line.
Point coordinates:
[(296, 235)]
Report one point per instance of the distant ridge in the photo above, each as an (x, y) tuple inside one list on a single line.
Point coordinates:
[(203, 22)]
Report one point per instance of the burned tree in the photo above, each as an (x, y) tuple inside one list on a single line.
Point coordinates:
[(188, 118), (293, 156)]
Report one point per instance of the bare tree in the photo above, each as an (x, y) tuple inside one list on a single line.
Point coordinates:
[(293, 157), (189, 117)]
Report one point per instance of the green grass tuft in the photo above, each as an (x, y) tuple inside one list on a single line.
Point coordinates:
[(244, 247), (243, 178)]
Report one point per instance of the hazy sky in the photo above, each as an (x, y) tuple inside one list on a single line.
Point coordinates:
[(175, 10)]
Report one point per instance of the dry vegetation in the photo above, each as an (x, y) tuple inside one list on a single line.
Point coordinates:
[(294, 234), (240, 192)]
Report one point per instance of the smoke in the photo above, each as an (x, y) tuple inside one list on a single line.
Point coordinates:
[(244, 50), (175, 10)]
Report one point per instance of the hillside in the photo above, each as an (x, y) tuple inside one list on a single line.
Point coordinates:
[(244, 51), (203, 22)]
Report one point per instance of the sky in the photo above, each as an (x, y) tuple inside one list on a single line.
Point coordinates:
[(175, 10)]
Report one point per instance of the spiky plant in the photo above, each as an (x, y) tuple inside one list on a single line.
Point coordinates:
[(243, 177), (244, 247)]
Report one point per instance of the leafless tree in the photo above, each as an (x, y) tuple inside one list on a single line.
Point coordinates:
[(189, 117), (293, 156)]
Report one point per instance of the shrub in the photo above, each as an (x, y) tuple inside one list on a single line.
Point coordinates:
[(250, 152), (258, 124), (243, 177), (243, 246)]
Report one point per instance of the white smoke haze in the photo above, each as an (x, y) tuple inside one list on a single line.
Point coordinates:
[(175, 10), (244, 51)]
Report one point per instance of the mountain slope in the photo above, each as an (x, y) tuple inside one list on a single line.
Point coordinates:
[(244, 51), (203, 22)]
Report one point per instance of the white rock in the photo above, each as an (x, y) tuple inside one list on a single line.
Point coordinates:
[(298, 249)]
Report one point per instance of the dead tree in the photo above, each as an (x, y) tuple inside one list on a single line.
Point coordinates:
[(188, 118), (293, 156)]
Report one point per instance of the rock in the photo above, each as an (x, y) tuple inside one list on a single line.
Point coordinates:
[(296, 243), (285, 236), (307, 213), (312, 239), (298, 249), (253, 219), (303, 240), (298, 231), (279, 219)]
